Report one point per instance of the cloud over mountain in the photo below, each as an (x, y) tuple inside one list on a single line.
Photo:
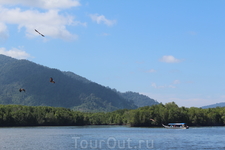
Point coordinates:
[(14, 53)]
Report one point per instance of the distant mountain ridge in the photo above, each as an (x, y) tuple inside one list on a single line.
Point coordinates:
[(222, 104), (69, 91), (139, 99)]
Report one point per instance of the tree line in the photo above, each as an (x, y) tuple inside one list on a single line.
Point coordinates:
[(149, 116)]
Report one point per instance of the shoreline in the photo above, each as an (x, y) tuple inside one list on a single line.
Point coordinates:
[(99, 125)]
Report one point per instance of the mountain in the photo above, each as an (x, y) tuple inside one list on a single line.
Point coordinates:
[(222, 104), (139, 99), (69, 90)]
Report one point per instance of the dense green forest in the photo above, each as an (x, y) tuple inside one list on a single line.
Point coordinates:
[(69, 91), (19, 115)]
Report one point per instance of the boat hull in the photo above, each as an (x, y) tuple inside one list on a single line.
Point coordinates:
[(172, 127)]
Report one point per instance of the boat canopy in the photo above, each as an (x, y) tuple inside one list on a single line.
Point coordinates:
[(172, 124)]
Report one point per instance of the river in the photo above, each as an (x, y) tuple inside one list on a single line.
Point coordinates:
[(110, 137)]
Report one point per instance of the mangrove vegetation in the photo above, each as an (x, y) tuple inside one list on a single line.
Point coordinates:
[(149, 116)]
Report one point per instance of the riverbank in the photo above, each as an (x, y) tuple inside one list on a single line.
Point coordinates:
[(148, 116)]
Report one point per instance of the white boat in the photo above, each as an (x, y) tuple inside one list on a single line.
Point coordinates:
[(176, 126)]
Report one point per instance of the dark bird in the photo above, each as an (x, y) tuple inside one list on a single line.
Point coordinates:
[(51, 80), (21, 90), (39, 32)]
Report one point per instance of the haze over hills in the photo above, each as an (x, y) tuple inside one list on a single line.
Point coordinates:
[(139, 99), (69, 91), (222, 104)]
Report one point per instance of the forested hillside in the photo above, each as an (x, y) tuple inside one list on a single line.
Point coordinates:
[(69, 90), (139, 99), (215, 105)]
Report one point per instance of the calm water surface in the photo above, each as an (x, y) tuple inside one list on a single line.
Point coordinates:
[(111, 137)]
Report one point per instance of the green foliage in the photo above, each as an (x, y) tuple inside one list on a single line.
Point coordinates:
[(92, 103), (19, 115), (69, 91)]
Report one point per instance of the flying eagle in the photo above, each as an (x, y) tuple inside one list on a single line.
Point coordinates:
[(51, 80), (39, 32), (21, 90)]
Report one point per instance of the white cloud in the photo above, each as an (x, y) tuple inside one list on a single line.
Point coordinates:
[(163, 86), (169, 59), (157, 86), (189, 100), (15, 53), (49, 23), (192, 33), (3, 31), (176, 82), (140, 62), (194, 102), (151, 70), (154, 85), (46, 4), (105, 34), (102, 19), (172, 86)]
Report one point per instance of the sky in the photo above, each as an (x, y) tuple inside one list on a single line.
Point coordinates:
[(171, 51)]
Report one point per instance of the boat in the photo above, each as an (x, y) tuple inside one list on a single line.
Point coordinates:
[(176, 126)]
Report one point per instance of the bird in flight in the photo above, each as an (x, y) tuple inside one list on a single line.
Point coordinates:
[(152, 120), (21, 90), (39, 32), (51, 80)]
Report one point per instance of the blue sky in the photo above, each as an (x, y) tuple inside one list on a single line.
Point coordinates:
[(168, 50)]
